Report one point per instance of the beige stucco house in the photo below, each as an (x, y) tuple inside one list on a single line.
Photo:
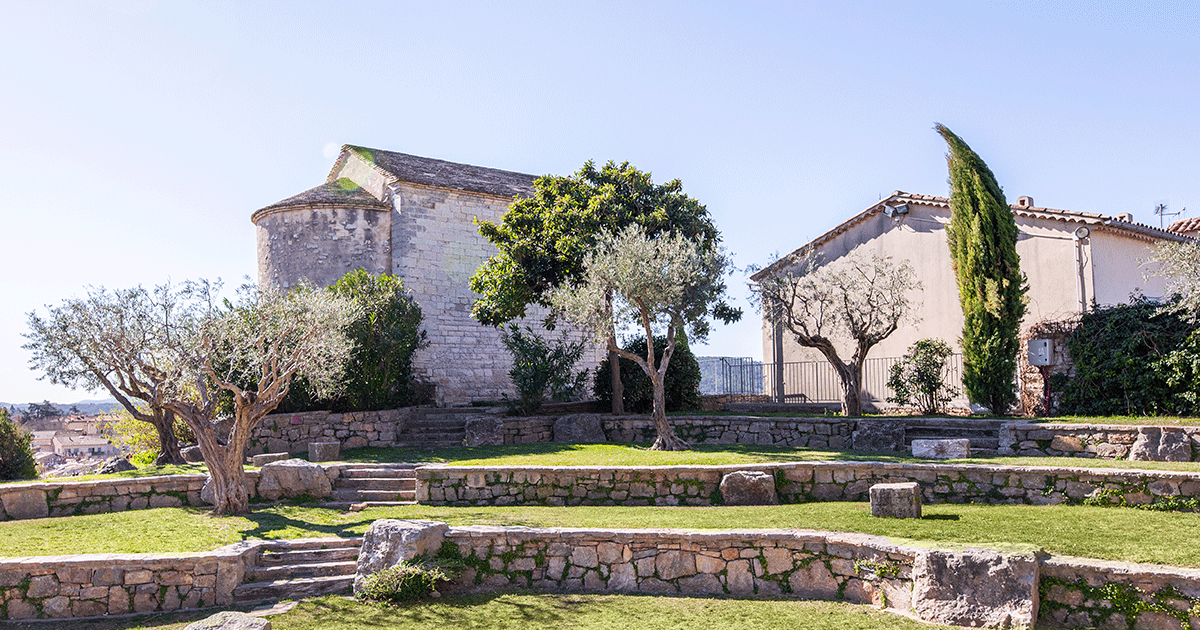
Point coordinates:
[(1071, 259), (414, 217)]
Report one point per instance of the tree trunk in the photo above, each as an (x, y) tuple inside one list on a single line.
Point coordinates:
[(164, 423), (667, 439), (225, 469), (851, 377), (618, 388)]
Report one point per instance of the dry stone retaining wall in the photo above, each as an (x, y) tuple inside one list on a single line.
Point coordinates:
[(291, 432), (1083, 593), (797, 483), (1103, 441)]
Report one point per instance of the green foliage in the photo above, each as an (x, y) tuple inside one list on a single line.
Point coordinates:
[(386, 333), (42, 410), (982, 236), (141, 438), (919, 379), (1134, 359), (16, 451), (406, 582), (681, 382), (544, 238), (543, 369)]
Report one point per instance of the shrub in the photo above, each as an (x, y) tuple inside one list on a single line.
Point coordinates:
[(140, 438), (682, 380), (543, 369), (405, 582), (16, 451), (919, 379)]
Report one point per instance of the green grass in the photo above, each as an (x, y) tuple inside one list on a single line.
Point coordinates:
[(1125, 420), (701, 455), (546, 611), (145, 471), (1104, 533)]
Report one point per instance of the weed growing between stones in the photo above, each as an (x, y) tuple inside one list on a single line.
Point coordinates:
[(1123, 599)]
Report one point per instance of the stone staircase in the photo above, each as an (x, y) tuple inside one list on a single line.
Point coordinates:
[(292, 569), (984, 434), (367, 485), (435, 427)]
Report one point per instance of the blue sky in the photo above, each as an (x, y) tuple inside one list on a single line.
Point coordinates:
[(137, 136)]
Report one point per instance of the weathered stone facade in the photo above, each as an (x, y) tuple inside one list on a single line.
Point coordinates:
[(412, 217)]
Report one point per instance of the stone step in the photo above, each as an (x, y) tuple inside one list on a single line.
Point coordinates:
[(329, 542), (379, 470), (305, 570), (307, 556), (977, 443), (275, 590), (356, 506), (394, 484), (357, 496)]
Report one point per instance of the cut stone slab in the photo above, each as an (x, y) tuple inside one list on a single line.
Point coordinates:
[(23, 504), (942, 449), (292, 478), (389, 542), (878, 435), (976, 587), (746, 487), (230, 620), (267, 458), (579, 428), (484, 431), (323, 451), (896, 500)]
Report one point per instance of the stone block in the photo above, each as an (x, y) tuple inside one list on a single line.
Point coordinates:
[(896, 500), (484, 431), (748, 488), (291, 478), (942, 449), (266, 458), (230, 620), (25, 503), (878, 435), (976, 587), (391, 541), (579, 429), (323, 451)]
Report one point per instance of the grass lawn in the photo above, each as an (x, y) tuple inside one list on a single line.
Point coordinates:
[(551, 454), (1104, 533), (536, 611)]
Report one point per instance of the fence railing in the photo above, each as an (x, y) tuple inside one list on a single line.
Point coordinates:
[(805, 381)]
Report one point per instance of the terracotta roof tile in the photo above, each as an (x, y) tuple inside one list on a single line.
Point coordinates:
[(1184, 226)]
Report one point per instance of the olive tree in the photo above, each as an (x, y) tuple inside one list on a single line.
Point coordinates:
[(110, 340), (1179, 264), (665, 284), (273, 336), (847, 306)]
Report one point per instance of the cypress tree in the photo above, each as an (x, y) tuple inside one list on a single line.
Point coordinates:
[(991, 288)]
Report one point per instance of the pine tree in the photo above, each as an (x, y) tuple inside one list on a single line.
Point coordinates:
[(991, 288)]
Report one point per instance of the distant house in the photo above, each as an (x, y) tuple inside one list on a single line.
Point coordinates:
[(1072, 260), (42, 440), (83, 446)]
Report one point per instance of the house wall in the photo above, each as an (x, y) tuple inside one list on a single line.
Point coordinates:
[(1047, 248), (321, 243)]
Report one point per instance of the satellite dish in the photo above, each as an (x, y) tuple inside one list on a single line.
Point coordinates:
[(1082, 232)]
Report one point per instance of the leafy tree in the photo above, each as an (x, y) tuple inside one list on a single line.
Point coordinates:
[(919, 378), (16, 451), (991, 288), (43, 410), (681, 383), (1179, 263), (276, 336), (140, 438), (854, 300), (108, 340), (667, 282), (543, 369), (543, 239)]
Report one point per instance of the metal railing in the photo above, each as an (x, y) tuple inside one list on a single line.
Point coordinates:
[(804, 381)]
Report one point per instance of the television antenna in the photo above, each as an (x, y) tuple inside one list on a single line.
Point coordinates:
[(1161, 211)]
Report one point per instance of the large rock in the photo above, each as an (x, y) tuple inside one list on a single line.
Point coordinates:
[(484, 431), (976, 587), (23, 504), (192, 454), (291, 478), (115, 465), (879, 435), (230, 620), (942, 449), (746, 487), (580, 428), (1174, 445), (1145, 447), (324, 451), (389, 542)]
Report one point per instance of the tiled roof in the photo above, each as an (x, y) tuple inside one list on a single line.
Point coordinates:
[(1184, 226), (442, 174), (900, 197), (341, 193)]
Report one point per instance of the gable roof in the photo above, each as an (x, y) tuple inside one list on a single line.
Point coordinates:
[(1129, 228), (442, 174), (1184, 226)]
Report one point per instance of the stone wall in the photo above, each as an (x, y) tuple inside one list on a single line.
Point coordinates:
[(764, 563), (116, 584), (1103, 441), (833, 432), (321, 242), (797, 483), (1082, 593), (291, 432)]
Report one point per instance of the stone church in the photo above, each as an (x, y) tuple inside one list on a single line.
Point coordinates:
[(413, 217)]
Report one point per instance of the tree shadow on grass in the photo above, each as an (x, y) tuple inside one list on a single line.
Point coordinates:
[(939, 517)]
